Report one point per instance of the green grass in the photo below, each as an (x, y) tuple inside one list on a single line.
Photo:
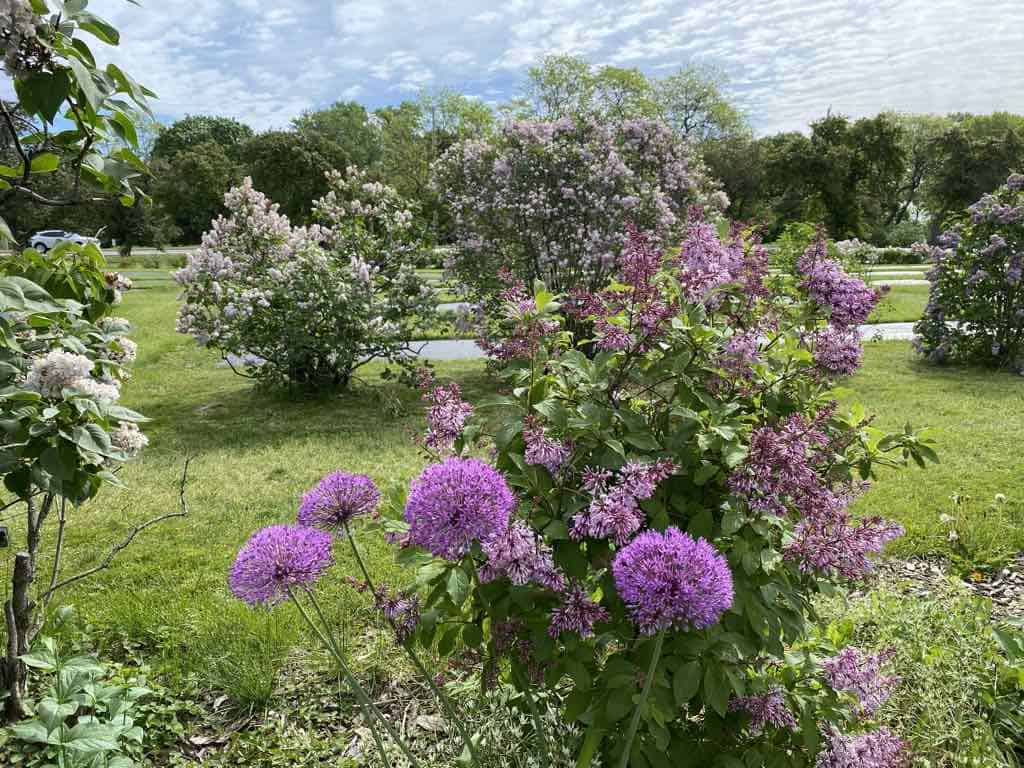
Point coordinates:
[(904, 303)]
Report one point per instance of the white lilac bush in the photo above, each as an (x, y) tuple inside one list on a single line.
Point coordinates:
[(975, 310), (62, 363), (307, 306), (551, 201), (635, 531)]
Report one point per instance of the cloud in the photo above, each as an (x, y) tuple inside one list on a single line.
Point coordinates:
[(788, 60)]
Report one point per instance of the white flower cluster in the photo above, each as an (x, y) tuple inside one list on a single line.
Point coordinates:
[(129, 438), (100, 391), (127, 351), (56, 371), (18, 23)]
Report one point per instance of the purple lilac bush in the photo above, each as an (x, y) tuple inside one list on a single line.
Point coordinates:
[(660, 502), (975, 310)]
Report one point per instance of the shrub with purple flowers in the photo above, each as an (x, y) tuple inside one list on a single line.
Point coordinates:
[(307, 306), (975, 310)]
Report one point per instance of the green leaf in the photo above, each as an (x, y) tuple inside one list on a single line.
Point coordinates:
[(49, 90), (47, 162), (619, 704), (591, 741), (32, 731), (98, 28), (702, 525), (6, 236), (458, 586), (472, 635), (705, 473), (83, 77), (686, 681), (716, 689)]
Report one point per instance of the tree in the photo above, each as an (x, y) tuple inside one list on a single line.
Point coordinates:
[(193, 130), (693, 102), (347, 124), (740, 164), (292, 167), (190, 187)]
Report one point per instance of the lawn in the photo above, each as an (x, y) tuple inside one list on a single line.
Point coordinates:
[(902, 304), (253, 454)]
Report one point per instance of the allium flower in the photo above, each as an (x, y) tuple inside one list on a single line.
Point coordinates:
[(877, 749), (615, 510), (455, 503), (56, 371), (276, 559), (129, 438), (859, 673), (447, 416), (767, 708), (672, 581), (849, 299), (577, 613), (520, 556), (541, 450), (837, 351), (337, 499)]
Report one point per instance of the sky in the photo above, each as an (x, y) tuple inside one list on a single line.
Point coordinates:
[(789, 61)]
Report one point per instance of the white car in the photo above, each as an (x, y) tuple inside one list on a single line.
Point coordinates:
[(51, 238)]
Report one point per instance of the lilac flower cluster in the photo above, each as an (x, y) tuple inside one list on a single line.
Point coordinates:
[(277, 558), (447, 416), (336, 499), (849, 299), (671, 581), (837, 351), (56, 371), (403, 613), (578, 613), (876, 749), (859, 673), (705, 263), (831, 542), (455, 503), (767, 708), (520, 556), (523, 328), (541, 450), (614, 511)]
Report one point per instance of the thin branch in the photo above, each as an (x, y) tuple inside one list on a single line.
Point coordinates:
[(59, 549), (14, 132), (123, 544)]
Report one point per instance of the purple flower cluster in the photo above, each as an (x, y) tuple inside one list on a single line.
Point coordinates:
[(520, 556), (738, 358), (447, 416), (454, 503), (831, 542), (578, 613), (526, 330), (403, 613), (849, 299), (705, 263), (672, 581), (876, 749), (615, 509), (542, 450), (859, 673), (336, 499), (277, 558), (767, 708), (837, 351)]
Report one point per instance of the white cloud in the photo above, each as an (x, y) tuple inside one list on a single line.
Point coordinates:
[(789, 60)]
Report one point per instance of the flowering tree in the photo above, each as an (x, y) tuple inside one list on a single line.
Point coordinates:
[(307, 306), (550, 201), (62, 362), (975, 310), (643, 547)]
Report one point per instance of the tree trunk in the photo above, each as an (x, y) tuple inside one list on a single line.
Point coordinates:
[(18, 620)]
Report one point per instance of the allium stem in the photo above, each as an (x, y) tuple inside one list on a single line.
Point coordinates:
[(659, 641), (440, 695), (370, 711), (538, 723)]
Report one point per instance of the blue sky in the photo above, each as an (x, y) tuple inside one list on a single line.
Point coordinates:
[(264, 61)]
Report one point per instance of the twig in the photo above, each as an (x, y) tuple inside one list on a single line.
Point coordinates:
[(123, 544)]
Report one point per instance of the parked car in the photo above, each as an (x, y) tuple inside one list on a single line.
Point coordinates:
[(51, 238)]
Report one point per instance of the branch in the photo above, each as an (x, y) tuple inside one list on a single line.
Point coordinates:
[(123, 544), (14, 133)]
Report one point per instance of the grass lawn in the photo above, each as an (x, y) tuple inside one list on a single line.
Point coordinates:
[(903, 303), (253, 454)]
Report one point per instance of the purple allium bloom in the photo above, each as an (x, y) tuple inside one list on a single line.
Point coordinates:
[(277, 558), (577, 613), (403, 613), (859, 673), (542, 450), (837, 351), (615, 510), (447, 416), (876, 749), (671, 580), (454, 503), (337, 499), (849, 299), (519, 555), (767, 708)]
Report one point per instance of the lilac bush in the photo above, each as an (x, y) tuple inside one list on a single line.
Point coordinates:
[(551, 201), (975, 310), (307, 306)]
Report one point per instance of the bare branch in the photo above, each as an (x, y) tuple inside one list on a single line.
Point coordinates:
[(124, 543)]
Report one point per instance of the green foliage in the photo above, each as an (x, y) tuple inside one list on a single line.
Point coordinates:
[(195, 130), (961, 696), (68, 271), (348, 125), (190, 187)]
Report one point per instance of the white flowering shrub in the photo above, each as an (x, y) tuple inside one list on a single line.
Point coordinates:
[(307, 306)]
